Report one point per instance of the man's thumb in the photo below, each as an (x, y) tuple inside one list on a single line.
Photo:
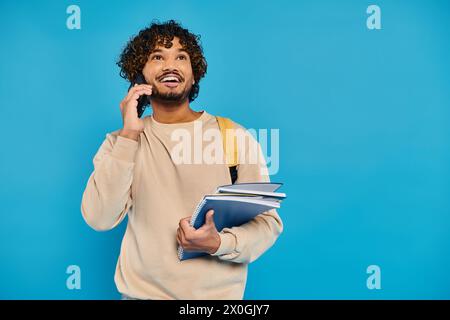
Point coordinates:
[(210, 216)]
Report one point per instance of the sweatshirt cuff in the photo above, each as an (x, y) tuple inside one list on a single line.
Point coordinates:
[(125, 149), (227, 244)]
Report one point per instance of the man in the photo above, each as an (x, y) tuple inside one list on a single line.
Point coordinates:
[(135, 173)]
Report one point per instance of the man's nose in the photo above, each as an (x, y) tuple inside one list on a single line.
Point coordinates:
[(169, 64)]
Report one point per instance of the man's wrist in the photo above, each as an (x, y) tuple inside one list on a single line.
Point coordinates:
[(216, 246)]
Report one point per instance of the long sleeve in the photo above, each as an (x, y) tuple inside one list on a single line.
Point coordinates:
[(107, 197), (244, 244)]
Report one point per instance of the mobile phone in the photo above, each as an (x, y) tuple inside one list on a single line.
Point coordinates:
[(143, 100)]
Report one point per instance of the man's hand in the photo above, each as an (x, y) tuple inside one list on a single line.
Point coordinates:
[(132, 124), (205, 239)]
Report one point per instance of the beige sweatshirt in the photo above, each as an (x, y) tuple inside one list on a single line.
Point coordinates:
[(141, 179)]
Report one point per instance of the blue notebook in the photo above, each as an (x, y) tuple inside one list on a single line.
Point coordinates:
[(234, 205)]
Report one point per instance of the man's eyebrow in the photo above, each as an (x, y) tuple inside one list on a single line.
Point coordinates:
[(159, 50)]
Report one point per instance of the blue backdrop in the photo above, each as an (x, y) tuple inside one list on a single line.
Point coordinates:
[(364, 129)]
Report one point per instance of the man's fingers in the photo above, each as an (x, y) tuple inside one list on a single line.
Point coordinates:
[(139, 93), (179, 236), (135, 96), (140, 87), (133, 90), (180, 240), (185, 220), (181, 232), (136, 88), (182, 236), (185, 225)]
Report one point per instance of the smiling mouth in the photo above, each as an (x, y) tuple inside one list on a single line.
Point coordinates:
[(171, 81)]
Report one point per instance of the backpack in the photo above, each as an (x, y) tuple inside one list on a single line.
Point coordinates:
[(231, 154)]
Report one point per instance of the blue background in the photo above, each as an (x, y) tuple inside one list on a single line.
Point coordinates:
[(364, 128)]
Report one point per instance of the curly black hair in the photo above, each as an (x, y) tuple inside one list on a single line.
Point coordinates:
[(136, 52)]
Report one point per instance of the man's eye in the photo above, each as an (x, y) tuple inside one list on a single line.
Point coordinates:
[(182, 57), (156, 57)]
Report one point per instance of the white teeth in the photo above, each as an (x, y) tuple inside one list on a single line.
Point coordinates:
[(169, 79)]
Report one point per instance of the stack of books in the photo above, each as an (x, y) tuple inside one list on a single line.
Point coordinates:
[(234, 205)]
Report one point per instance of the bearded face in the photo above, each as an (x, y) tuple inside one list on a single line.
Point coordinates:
[(169, 71)]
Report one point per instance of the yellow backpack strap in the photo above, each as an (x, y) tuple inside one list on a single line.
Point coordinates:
[(230, 145)]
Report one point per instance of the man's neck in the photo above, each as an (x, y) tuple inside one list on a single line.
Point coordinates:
[(173, 113)]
